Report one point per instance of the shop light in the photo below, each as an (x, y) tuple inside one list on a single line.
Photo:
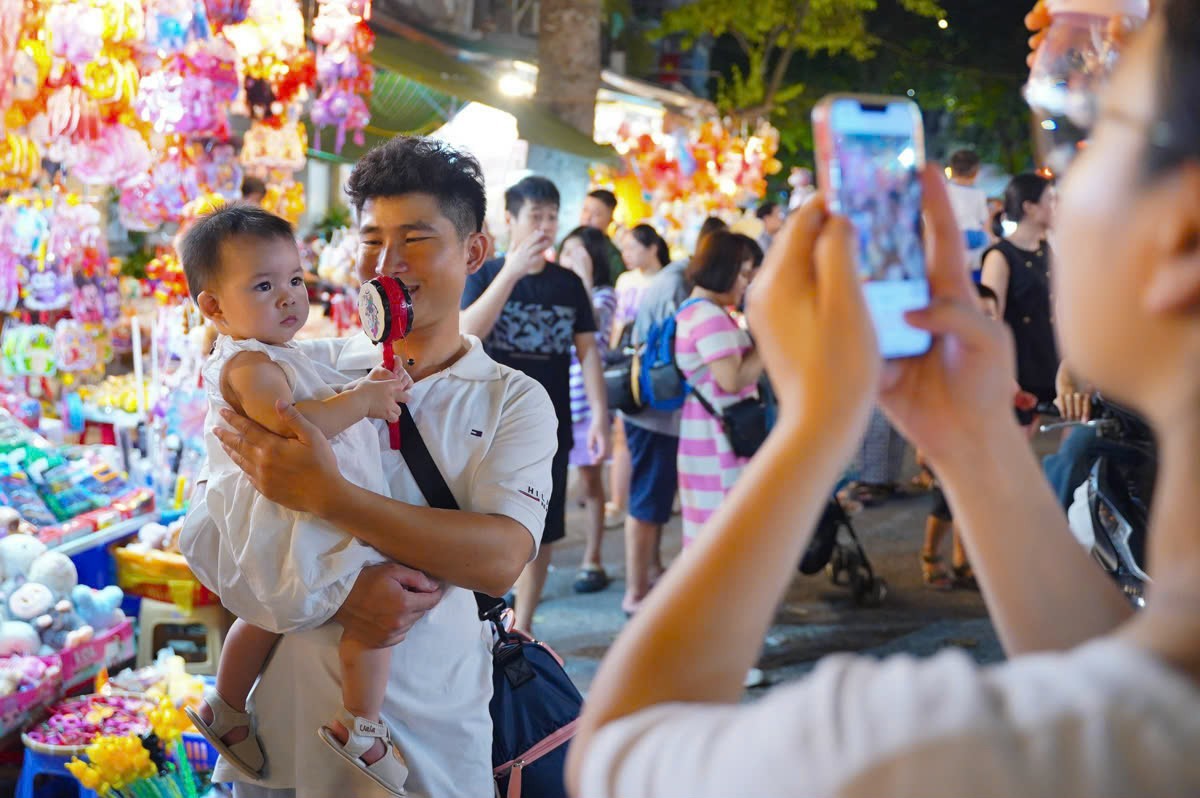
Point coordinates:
[(514, 85)]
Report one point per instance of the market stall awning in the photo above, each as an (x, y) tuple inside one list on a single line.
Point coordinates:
[(398, 105), (414, 78)]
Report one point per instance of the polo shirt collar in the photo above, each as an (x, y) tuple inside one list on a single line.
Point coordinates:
[(359, 354)]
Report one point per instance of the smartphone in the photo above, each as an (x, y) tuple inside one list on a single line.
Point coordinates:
[(870, 153)]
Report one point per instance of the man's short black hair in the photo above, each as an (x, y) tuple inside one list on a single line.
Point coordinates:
[(605, 196), (535, 189), (253, 185), (964, 163), (417, 165), (200, 247), (766, 209)]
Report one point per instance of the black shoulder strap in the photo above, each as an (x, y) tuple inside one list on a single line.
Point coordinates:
[(433, 485)]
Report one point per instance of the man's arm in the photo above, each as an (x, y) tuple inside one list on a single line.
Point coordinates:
[(480, 316), (483, 551), (480, 313)]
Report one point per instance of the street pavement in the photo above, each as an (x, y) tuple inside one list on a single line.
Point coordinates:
[(816, 618)]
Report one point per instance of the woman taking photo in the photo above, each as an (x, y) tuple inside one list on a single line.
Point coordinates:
[(719, 362), (585, 252), (1093, 701), (1017, 268)]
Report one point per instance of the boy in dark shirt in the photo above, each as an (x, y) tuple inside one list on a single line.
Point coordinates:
[(529, 313)]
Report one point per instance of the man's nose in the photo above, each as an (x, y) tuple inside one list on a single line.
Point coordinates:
[(391, 262)]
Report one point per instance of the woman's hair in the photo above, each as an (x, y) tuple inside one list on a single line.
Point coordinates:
[(718, 260), (1028, 187), (647, 236), (1176, 136), (596, 245)]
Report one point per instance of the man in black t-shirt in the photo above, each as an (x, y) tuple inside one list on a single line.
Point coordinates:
[(529, 313)]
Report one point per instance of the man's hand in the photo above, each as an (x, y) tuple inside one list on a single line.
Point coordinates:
[(527, 256), (385, 602), (599, 443), (1075, 404), (299, 471)]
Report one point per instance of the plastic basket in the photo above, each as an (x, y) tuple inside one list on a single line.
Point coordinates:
[(111, 647), (17, 710), (200, 753), (161, 576)]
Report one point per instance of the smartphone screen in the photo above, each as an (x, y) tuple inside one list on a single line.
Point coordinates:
[(871, 152)]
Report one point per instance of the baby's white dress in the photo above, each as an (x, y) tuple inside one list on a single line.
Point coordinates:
[(312, 556)]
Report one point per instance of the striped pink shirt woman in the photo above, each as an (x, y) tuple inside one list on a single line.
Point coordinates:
[(718, 359)]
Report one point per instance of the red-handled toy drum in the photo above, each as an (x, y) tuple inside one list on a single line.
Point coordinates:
[(386, 312)]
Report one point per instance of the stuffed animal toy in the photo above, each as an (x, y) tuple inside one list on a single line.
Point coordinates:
[(62, 628), (29, 601), (18, 637), (55, 571), (17, 553), (99, 609)]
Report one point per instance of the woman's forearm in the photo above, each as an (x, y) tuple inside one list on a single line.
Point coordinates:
[(1043, 590), (693, 642)]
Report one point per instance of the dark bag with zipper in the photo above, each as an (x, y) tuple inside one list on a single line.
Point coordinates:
[(744, 423), (620, 375), (535, 706)]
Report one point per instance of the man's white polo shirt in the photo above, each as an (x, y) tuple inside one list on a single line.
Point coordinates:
[(491, 430)]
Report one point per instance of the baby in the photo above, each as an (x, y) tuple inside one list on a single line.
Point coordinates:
[(243, 270)]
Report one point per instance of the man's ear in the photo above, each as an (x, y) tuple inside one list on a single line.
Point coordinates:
[(1173, 286), (478, 245), (210, 306)]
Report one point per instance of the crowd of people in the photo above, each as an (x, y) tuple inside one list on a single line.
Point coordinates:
[(1094, 700)]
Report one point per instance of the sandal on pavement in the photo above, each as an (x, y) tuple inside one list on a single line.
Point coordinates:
[(934, 573), (964, 577), (246, 755), (390, 772), (866, 494), (591, 579)]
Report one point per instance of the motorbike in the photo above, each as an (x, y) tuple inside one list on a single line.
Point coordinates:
[(1110, 512)]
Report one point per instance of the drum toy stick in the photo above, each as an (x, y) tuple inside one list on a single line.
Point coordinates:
[(386, 311)]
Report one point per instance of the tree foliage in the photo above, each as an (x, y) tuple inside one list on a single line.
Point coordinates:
[(769, 33)]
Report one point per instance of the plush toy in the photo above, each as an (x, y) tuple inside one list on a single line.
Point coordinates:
[(30, 601), (18, 637), (10, 522), (151, 537), (61, 628), (55, 571), (99, 609), (17, 553)]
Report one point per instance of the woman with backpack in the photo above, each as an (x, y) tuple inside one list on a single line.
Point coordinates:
[(722, 367), (645, 254)]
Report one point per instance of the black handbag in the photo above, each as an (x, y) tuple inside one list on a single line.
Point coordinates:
[(621, 365), (744, 423), (535, 706)]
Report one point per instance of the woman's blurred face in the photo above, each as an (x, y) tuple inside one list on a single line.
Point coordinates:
[(634, 254), (1041, 212), (738, 292), (1107, 247), (574, 256)]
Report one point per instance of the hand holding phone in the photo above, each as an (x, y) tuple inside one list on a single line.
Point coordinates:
[(870, 153)]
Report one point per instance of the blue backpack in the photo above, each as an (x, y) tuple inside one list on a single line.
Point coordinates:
[(660, 383)]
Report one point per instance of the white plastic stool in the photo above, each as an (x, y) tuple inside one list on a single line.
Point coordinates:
[(196, 636)]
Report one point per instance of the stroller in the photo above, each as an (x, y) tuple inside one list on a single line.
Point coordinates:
[(836, 547)]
